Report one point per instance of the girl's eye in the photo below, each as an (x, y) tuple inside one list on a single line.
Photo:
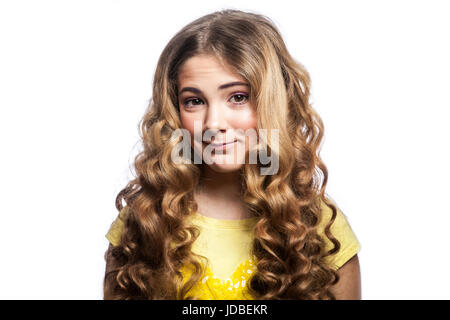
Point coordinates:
[(187, 101), (242, 98)]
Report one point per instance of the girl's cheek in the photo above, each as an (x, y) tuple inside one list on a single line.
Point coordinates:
[(187, 122), (245, 119)]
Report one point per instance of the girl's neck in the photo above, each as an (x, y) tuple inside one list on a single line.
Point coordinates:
[(219, 195), (226, 185)]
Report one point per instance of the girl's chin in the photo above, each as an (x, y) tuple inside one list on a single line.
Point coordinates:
[(224, 167)]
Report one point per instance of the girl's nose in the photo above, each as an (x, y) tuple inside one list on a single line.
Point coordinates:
[(215, 117)]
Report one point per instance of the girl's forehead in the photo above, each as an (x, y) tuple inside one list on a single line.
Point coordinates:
[(205, 67)]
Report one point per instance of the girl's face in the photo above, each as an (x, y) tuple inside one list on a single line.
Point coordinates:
[(217, 100)]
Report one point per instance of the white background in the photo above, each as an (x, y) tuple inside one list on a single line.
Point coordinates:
[(76, 77)]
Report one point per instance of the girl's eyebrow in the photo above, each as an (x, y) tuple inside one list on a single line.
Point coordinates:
[(223, 86)]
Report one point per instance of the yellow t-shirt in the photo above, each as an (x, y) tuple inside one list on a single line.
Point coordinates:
[(227, 246)]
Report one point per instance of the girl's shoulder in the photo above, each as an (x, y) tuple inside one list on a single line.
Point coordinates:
[(342, 231), (115, 230)]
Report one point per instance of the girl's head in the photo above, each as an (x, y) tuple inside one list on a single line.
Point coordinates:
[(218, 49), (217, 99)]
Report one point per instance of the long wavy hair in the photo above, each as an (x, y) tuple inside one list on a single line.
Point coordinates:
[(156, 239)]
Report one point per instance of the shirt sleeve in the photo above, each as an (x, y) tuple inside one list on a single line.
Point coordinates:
[(343, 232), (115, 231)]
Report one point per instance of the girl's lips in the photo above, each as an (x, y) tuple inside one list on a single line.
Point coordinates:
[(218, 146)]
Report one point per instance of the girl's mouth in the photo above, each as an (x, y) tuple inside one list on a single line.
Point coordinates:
[(221, 146)]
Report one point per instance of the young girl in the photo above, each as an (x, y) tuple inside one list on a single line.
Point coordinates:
[(222, 227)]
